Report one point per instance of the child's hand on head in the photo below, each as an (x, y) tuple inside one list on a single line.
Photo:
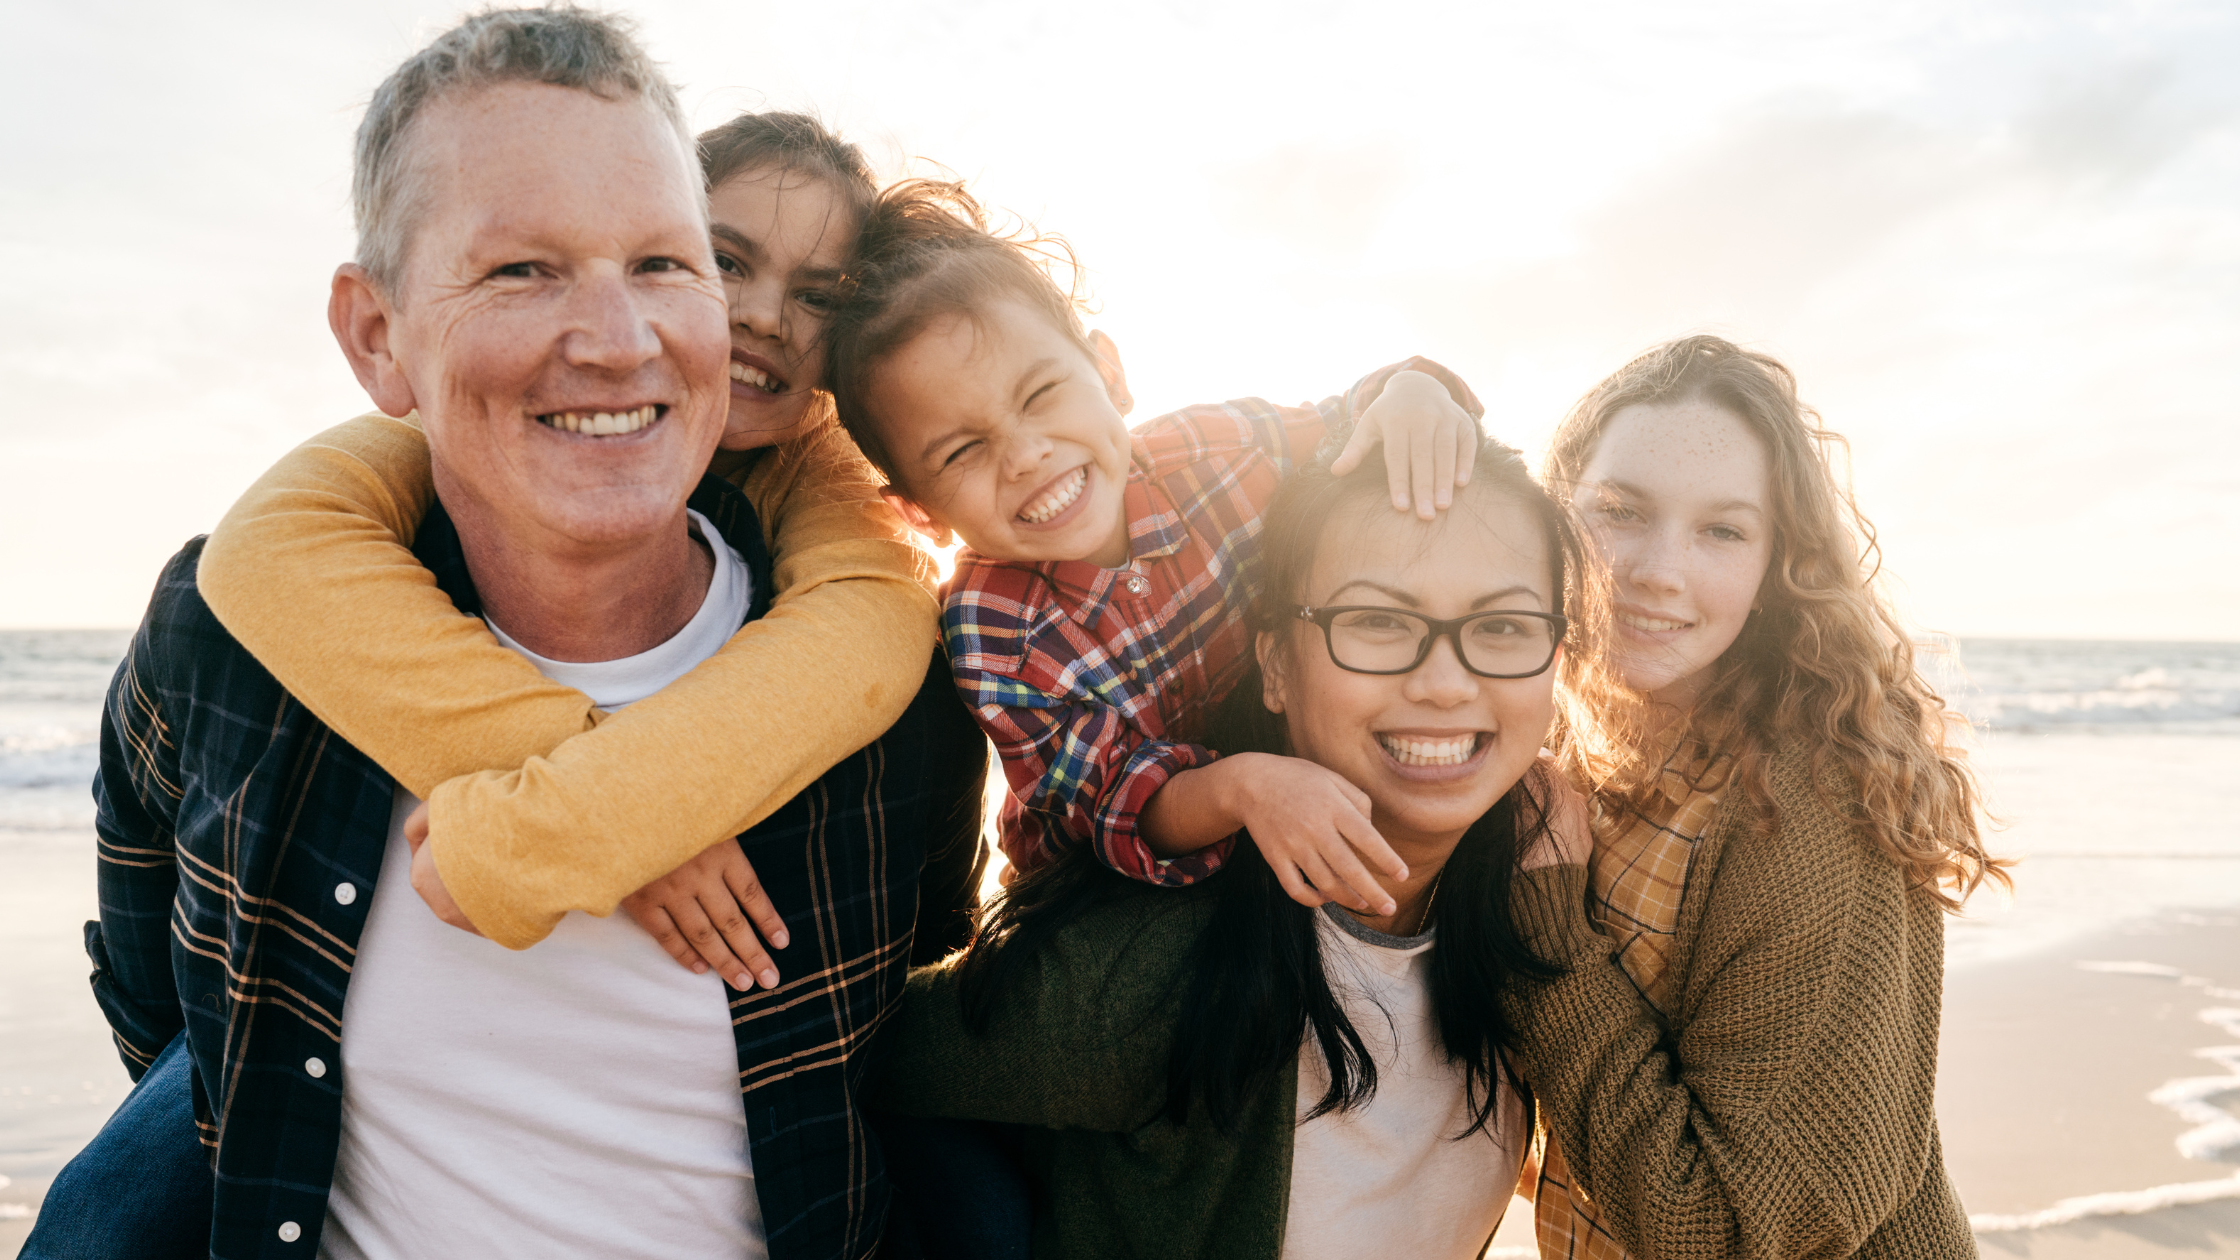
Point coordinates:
[(1313, 828), (1430, 442), (707, 912)]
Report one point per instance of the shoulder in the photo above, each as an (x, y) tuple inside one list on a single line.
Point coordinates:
[(821, 466), (1124, 959), (1238, 429), (990, 611), (1809, 856), (183, 655)]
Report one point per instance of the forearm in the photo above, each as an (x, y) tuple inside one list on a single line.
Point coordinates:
[(1199, 807), (713, 754), (311, 572), (1777, 1126)]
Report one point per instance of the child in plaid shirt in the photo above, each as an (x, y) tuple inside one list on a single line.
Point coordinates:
[(1096, 618)]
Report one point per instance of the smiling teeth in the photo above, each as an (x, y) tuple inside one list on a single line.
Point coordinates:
[(1409, 750), (746, 374), (603, 423), (1057, 500), (1649, 623)]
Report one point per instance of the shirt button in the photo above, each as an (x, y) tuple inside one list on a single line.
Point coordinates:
[(1136, 584), (315, 1066), (345, 893), (290, 1231)]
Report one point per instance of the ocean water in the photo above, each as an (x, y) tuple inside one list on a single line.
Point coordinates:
[(2115, 767)]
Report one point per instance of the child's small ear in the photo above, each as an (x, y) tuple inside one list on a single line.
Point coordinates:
[(915, 517), (1108, 367)]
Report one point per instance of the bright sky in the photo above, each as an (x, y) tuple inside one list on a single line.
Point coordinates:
[(1999, 242)]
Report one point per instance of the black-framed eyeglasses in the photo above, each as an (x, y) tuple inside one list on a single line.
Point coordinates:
[(1366, 639)]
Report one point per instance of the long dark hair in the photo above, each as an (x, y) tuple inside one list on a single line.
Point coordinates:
[(1256, 986)]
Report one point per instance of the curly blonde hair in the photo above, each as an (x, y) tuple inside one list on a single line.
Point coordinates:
[(1826, 662)]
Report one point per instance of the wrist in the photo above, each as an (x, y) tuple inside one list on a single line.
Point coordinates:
[(1231, 783)]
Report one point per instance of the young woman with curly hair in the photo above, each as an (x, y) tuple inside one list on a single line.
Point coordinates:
[(1740, 1058)]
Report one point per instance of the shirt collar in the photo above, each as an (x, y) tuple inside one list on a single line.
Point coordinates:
[(437, 545), (1155, 529)]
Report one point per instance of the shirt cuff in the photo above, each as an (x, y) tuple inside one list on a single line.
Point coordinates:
[(1120, 843), (1550, 907)]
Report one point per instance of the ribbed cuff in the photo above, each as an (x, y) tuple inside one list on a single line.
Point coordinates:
[(1550, 906)]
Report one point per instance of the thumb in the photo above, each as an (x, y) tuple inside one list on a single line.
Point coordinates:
[(416, 826), (1357, 448)]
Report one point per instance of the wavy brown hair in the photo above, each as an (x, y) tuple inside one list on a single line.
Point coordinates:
[(1826, 662)]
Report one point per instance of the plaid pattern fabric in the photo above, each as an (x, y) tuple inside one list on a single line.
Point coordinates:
[(1094, 683), (1636, 878), (239, 845)]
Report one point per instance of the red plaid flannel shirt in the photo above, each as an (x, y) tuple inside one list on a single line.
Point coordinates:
[(1094, 683)]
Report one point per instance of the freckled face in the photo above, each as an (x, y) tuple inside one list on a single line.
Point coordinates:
[(1006, 431), (1676, 495), (781, 240), (1436, 747), (560, 319)]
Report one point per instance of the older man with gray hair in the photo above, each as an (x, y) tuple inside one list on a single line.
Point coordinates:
[(368, 1081)]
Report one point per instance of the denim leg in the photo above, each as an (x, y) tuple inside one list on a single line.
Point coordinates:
[(960, 1187), (141, 1189)]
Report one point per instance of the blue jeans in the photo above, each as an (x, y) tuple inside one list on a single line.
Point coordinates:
[(960, 1190), (141, 1189)]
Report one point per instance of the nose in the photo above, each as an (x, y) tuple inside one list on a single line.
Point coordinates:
[(758, 307), (609, 329), (1654, 560), (1024, 454), (1441, 681)]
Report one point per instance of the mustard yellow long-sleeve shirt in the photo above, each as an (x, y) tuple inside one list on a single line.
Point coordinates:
[(538, 803)]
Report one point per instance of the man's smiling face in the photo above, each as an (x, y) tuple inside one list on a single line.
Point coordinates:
[(560, 318)]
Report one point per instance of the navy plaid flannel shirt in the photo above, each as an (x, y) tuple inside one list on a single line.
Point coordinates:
[(240, 838)]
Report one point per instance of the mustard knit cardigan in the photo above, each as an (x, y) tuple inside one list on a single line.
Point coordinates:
[(1788, 1109)]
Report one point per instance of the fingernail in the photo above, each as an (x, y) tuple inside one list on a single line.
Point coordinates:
[(742, 982), (699, 969), (779, 938), (769, 979)]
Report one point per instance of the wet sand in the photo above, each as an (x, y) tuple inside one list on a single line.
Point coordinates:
[(2044, 1087)]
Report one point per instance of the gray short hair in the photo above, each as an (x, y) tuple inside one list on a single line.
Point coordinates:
[(559, 44)]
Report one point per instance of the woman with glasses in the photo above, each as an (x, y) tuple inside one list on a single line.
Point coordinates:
[(1219, 1070), (1779, 827)]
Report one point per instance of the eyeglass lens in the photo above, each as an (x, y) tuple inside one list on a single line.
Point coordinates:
[(1379, 640)]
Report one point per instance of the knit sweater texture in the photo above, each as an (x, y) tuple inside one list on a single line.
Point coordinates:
[(1786, 1111)]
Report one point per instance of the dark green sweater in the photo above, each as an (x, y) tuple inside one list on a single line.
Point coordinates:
[(1078, 1051)]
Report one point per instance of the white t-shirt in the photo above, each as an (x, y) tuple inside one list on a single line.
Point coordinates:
[(578, 1098), (1388, 1179)]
